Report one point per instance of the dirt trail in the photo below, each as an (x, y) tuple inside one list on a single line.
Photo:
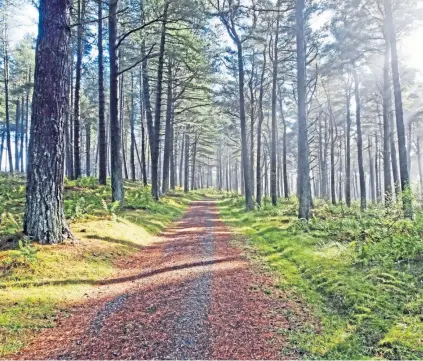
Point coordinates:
[(189, 296)]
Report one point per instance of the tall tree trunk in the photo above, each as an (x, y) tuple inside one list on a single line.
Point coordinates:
[(372, 173), (386, 126), (284, 151), (332, 158), (274, 139), (3, 138), (17, 128), (186, 168), (259, 176), (88, 149), (115, 126), (102, 137), (27, 114), (193, 159), (155, 148), (70, 169), (168, 131), (132, 150), (143, 140), (252, 121), (181, 163), (173, 155), (348, 153), (76, 107), (244, 143), (402, 147), (22, 135), (6, 91), (44, 218), (363, 197), (304, 190)]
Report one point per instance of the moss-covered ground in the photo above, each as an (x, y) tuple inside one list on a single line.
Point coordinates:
[(358, 273)]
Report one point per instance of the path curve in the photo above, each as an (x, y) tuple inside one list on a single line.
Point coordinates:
[(191, 295)]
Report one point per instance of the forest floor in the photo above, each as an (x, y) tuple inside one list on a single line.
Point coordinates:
[(191, 294), (195, 276)]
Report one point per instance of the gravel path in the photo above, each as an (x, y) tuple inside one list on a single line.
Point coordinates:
[(189, 296)]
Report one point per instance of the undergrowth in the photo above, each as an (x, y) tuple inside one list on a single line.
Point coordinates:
[(39, 282), (361, 272)]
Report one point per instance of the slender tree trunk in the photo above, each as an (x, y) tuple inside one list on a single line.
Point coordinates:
[(27, 115), (44, 218), (386, 126), (173, 155), (348, 153), (252, 121), (402, 147), (363, 197), (303, 156), (102, 137), (22, 135), (193, 159), (377, 174), (3, 138), (259, 176), (17, 127), (372, 173), (132, 150), (168, 131), (76, 109), (6, 91), (88, 149), (181, 163), (332, 159), (70, 169), (142, 122), (115, 125), (186, 168), (274, 139), (155, 150)]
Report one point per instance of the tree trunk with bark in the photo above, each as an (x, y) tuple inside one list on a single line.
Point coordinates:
[(115, 125), (186, 162), (304, 191), (259, 176), (168, 131), (76, 107), (386, 126), (402, 147), (17, 128), (6, 92), (363, 197), (102, 137), (44, 218)]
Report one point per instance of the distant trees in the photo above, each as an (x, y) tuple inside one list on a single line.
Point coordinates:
[(277, 110)]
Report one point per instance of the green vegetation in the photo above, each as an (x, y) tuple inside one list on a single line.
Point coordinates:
[(359, 273), (37, 282)]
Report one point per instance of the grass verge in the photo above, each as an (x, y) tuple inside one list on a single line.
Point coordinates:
[(359, 273), (39, 282)]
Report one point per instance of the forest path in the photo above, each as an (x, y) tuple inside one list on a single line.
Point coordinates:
[(191, 295)]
